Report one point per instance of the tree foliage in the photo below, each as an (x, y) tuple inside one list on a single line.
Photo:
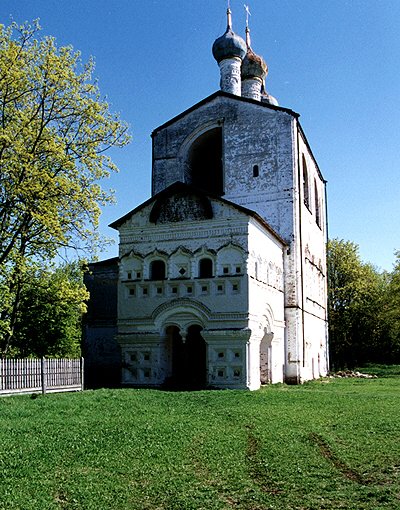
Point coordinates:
[(361, 325), (49, 322), (55, 130)]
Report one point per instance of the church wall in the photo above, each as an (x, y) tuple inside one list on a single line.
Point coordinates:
[(313, 249), (218, 304), (266, 306), (184, 246), (252, 135), (262, 159), (101, 351)]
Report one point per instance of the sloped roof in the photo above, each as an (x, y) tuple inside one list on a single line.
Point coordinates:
[(221, 93), (180, 187)]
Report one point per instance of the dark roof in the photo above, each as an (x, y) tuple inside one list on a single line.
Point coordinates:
[(221, 93), (105, 263), (179, 187)]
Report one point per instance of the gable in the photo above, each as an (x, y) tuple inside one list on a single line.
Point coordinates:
[(181, 202), (181, 206)]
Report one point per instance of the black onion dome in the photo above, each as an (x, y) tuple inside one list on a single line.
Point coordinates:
[(253, 66), (228, 45)]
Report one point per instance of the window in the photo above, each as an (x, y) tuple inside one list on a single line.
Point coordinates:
[(306, 189), (317, 206), (205, 268), (157, 270), (256, 171)]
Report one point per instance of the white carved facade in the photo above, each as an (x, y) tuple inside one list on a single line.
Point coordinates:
[(222, 273)]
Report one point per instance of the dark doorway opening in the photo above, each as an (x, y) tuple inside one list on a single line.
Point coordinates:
[(188, 359), (205, 162)]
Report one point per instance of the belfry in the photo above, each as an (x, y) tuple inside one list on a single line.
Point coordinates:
[(220, 281)]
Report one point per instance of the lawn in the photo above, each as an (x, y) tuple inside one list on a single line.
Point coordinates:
[(329, 444)]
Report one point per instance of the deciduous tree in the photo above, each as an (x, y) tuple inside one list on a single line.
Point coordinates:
[(356, 301), (55, 130), (49, 322)]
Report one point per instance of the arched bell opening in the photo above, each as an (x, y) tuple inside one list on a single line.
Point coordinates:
[(204, 162)]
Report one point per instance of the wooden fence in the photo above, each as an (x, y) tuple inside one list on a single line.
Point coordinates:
[(40, 375)]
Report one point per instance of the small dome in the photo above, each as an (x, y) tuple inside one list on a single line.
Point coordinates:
[(273, 100), (253, 66), (228, 45), (267, 98)]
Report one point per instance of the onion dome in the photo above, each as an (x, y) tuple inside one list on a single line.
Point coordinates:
[(229, 45), (267, 98), (253, 66)]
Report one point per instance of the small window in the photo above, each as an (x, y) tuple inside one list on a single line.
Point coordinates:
[(189, 290), (256, 171), (220, 373), (204, 289), (145, 291), (138, 274), (157, 270), (147, 373), (133, 356), (236, 372), (131, 292), (220, 288), (235, 287), (129, 275), (238, 269), (159, 290), (221, 354), (225, 270), (205, 268), (174, 290), (146, 356)]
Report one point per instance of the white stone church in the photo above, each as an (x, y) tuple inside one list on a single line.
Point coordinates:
[(222, 272)]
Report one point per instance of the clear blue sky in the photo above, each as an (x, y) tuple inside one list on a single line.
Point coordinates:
[(336, 62)]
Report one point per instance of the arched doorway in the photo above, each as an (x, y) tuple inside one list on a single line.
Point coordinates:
[(266, 358), (188, 357), (204, 162)]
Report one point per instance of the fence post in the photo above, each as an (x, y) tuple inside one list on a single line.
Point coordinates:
[(82, 372), (43, 374)]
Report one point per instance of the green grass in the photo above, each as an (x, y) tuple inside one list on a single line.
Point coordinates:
[(330, 444)]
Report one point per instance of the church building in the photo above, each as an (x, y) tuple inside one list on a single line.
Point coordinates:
[(221, 275)]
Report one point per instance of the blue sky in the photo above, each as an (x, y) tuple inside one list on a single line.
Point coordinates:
[(336, 62)]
